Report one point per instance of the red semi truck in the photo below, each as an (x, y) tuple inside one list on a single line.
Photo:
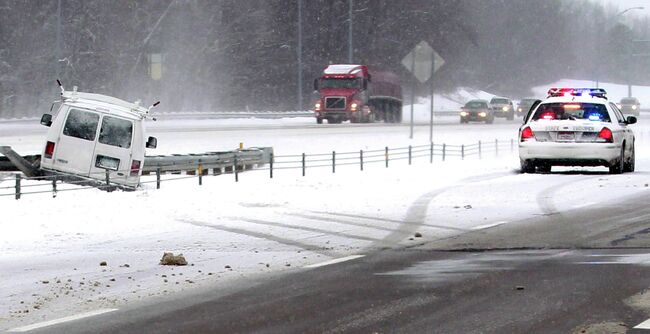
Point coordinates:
[(351, 92)]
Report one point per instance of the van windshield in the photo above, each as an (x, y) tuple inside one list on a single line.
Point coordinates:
[(116, 132), (81, 124)]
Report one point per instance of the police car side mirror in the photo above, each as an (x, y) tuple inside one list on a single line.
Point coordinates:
[(630, 120), (46, 119), (152, 142)]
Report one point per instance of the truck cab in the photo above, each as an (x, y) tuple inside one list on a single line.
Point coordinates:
[(343, 94), (94, 136)]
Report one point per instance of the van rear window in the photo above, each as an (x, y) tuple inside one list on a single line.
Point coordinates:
[(81, 124), (116, 132)]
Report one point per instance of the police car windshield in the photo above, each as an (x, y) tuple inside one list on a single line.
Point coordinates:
[(572, 111), (339, 83)]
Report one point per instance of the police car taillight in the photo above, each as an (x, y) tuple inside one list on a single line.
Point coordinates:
[(49, 150), (135, 167), (527, 134), (606, 135)]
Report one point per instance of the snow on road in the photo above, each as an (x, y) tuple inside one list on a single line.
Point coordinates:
[(52, 247)]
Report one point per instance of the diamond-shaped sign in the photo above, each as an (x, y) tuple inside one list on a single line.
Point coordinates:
[(420, 59)]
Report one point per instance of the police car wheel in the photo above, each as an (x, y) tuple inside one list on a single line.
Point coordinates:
[(527, 167), (630, 163), (617, 167)]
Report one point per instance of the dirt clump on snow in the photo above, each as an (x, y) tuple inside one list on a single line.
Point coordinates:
[(169, 259)]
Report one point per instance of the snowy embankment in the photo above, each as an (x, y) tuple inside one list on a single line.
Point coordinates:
[(614, 91)]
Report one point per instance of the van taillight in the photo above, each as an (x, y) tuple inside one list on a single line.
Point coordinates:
[(135, 167), (49, 150)]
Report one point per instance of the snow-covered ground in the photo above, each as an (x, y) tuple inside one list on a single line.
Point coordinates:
[(52, 247), (614, 91)]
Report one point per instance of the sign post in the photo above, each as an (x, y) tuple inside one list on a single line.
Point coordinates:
[(423, 61)]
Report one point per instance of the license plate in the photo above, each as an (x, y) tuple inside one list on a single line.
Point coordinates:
[(565, 136)]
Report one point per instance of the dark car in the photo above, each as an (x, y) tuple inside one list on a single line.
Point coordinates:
[(503, 107), (524, 106), (476, 111), (630, 106)]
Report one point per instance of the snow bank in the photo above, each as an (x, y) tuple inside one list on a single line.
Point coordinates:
[(614, 91), (451, 102)]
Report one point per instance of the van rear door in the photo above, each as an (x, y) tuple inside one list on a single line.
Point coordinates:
[(74, 149), (113, 150)]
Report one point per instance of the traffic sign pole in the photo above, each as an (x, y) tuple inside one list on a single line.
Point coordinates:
[(433, 69), (412, 93)]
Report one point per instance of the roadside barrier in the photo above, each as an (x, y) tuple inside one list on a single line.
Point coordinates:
[(275, 163)]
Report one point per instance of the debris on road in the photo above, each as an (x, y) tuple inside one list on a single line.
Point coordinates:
[(169, 259), (103, 264), (418, 235)]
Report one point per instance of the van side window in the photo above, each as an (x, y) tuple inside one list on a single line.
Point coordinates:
[(81, 124), (116, 132)]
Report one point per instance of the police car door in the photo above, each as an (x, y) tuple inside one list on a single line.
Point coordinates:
[(113, 148), (75, 146)]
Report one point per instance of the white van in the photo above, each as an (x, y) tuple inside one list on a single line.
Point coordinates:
[(91, 134)]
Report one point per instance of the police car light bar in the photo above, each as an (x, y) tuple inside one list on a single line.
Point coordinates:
[(595, 92)]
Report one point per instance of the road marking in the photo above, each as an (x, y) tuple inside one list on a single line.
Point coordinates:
[(61, 320), (334, 261), (643, 325), (482, 227), (583, 205)]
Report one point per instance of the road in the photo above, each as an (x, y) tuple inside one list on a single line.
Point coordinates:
[(558, 273)]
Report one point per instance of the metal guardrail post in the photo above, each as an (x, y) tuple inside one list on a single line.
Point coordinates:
[(512, 145), (444, 151), (18, 178), (386, 156), (54, 187), (361, 159), (496, 147), (431, 153), (271, 165), (333, 161), (303, 164), (235, 169), (108, 179), (200, 173), (462, 152), (480, 155), (410, 154), (158, 178)]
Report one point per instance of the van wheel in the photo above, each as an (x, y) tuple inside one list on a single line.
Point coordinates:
[(617, 167)]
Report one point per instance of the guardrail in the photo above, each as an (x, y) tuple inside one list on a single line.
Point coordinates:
[(199, 168)]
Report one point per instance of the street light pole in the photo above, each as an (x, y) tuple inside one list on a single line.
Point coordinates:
[(300, 104), (629, 62), (350, 50)]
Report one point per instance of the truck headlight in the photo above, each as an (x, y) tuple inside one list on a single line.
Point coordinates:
[(482, 114), (353, 106), (504, 108), (634, 107), (317, 106), (464, 113)]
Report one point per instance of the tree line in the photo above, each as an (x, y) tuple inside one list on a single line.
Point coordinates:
[(211, 55)]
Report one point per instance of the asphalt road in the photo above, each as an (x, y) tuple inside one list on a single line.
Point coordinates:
[(584, 269)]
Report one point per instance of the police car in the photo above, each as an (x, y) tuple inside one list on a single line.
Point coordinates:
[(576, 127)]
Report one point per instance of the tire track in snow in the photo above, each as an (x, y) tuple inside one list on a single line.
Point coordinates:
[(266, 236), (417, 212)]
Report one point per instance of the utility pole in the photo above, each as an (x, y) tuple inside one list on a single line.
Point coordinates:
[(300, 104), (57, 56), (350, 50)]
